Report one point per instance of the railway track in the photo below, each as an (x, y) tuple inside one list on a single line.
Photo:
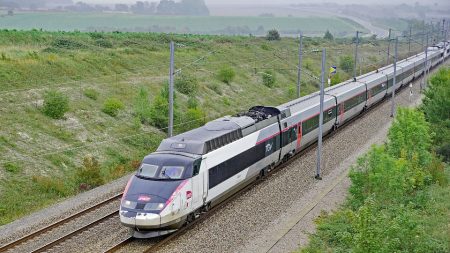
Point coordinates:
[(28, 238)]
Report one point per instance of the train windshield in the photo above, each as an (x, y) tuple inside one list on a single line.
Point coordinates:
[(166, 167)]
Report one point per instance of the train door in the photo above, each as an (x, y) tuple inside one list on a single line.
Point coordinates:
[(341, 112), (299, 136), (198, 184)]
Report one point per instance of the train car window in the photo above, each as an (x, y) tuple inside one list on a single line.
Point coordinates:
[(310, 124), (236, 164), (329, 115)]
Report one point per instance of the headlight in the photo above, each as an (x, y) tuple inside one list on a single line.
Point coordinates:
[(129, 204), (154, 206)]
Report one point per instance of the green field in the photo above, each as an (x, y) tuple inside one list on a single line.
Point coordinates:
[(178, 24), (40, 156)]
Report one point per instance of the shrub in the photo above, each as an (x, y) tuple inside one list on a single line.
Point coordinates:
[(112, 106), (226, 74), (104, 43), (11, 167), (51, 185), (160, 109), (268, 78), (56, 104), (192, 103), (273, 35), (346, 63), (67, 44), (409, 136), (91, 93), (88, 175), (265, 47), (142, 106), (292, 91), (186, 84), (193, 118)]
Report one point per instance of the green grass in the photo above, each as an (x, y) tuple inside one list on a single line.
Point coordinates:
[(399, 200), (38, 154), (179, 24)]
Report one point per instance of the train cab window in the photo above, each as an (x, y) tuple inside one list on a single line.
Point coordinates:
[(148, 170), (196, 167), (172, 172)]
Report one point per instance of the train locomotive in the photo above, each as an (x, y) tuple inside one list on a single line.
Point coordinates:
[(193, 171)]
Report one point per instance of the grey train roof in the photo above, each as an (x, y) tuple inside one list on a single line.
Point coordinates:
[(219, 132)]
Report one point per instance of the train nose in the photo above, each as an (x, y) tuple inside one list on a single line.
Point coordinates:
[(148, 220), (140, 220)]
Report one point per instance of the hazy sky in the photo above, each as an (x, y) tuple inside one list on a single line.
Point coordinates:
[(273, 2)]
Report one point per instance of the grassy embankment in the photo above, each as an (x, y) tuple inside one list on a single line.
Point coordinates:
[(400, 196), (40, 157)]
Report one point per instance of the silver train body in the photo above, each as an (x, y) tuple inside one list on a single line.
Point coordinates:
[(198, 169)]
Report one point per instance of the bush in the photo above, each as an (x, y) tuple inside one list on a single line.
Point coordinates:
[(273, 35), (88, 175), (186, 84), (104, 43), (192, 103), (160, 109), (226, 74), (91, 93), (67, 44), (409, 136), (56, 104), (268, 78), (193, 118), (112, 106), (11, 167), (51, 185), (346, 63), (142, 106)]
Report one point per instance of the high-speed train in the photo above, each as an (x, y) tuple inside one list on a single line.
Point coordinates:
[(193, 171)]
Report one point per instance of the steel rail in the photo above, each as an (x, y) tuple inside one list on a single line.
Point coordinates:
[(58, 223)]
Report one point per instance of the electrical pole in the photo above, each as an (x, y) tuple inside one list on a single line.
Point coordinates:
[(409, 42), (389, 47), (299, 68), (356, 55), (443, 28), (426, 65), (395, 79), (319, 141), (171, 76)]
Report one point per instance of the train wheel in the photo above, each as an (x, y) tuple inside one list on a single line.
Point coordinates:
[(190, 218)]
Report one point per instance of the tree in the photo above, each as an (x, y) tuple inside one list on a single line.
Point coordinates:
[(273, 35), (328, 35), (346, 63), (121, 7)]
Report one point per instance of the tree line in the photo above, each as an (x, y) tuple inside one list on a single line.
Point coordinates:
[(164, 7)]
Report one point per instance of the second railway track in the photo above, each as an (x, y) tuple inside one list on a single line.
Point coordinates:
[(20, 245)]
